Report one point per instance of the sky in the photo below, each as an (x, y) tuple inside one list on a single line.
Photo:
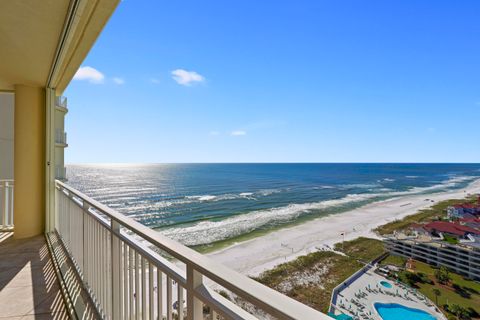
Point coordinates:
[(280, 81)]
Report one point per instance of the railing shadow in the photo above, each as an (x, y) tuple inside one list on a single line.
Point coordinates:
[(79, 300), (28, 284)]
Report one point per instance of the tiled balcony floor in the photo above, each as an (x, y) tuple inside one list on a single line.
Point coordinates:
[(28, 285)]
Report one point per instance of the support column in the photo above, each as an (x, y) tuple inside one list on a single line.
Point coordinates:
[(29, 161), (50, 159)]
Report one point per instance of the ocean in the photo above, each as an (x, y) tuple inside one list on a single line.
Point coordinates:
[(208, 205)]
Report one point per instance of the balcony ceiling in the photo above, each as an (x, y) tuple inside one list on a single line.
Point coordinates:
[(30, 34)]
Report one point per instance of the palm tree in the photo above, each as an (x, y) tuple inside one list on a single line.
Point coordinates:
[(459, 311), (437, 293)]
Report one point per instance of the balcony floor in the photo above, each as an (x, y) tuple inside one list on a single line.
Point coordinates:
[(28, 284)]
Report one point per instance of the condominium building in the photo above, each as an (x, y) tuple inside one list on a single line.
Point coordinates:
[(60, 137), (462, 258)]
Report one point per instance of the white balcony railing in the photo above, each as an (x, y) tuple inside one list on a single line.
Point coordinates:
[(60, 172), (60, 136), (6, 204), (61, 102), (123, 266)]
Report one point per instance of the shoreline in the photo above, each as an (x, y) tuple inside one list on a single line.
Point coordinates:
[(254, 256)]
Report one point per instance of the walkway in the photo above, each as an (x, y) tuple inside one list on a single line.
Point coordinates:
[(28, 284)]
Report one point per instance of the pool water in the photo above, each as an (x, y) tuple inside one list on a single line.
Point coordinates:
[(386, 284), (393, 311)]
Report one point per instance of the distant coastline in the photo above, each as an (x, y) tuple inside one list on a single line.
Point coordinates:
[(336, 210), (256, 255), (213, 206)]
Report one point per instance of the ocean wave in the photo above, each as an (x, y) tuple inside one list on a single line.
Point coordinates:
[(450, 183), (324, 187), (360, 185), (208, 197), (146, 206), (382, 189), (267, 192), (202, 198), (119, 193), (232, 196), (149, 206), (206, 232)]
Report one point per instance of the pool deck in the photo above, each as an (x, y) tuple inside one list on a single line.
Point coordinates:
[(358, 298)]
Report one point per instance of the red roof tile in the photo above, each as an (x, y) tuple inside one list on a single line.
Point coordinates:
[(470, 220), (450, 227)]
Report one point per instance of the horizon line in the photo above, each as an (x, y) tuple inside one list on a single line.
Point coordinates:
[(263, 162)]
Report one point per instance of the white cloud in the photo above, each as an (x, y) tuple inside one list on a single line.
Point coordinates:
[(89, 74), (238, 133), (119, 80), (154, 80), (186, 78), (214, 133)]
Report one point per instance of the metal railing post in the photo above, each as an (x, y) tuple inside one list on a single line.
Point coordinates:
[(11, 208), (85, 250), (10, 195), (194, 305), (4, 207), (116, 274), (121, 288)]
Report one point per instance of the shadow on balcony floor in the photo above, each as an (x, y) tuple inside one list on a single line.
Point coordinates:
[(28, 285), (81, 304)]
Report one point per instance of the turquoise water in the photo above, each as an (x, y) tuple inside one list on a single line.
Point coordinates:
[(393, 311), (204, 204), (386, 284)]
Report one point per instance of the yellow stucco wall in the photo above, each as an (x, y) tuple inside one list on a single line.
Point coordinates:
[(29, 161)]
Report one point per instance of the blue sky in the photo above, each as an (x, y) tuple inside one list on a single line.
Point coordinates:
[(280, 81)]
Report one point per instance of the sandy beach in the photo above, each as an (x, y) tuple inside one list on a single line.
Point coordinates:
[(259, 254)]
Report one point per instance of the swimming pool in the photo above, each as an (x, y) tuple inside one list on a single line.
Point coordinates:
[(386, 284), (394, 311)]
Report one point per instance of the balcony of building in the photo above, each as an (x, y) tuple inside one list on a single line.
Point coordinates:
[(98, 263), (61, 138), (63, 254), (61, 104), (60, 172)]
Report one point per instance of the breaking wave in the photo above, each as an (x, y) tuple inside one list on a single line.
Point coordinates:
[(206, 232)]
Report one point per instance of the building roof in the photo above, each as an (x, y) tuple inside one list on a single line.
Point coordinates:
[(468, 205), (450, 227), (476, 220), (416, 226)]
